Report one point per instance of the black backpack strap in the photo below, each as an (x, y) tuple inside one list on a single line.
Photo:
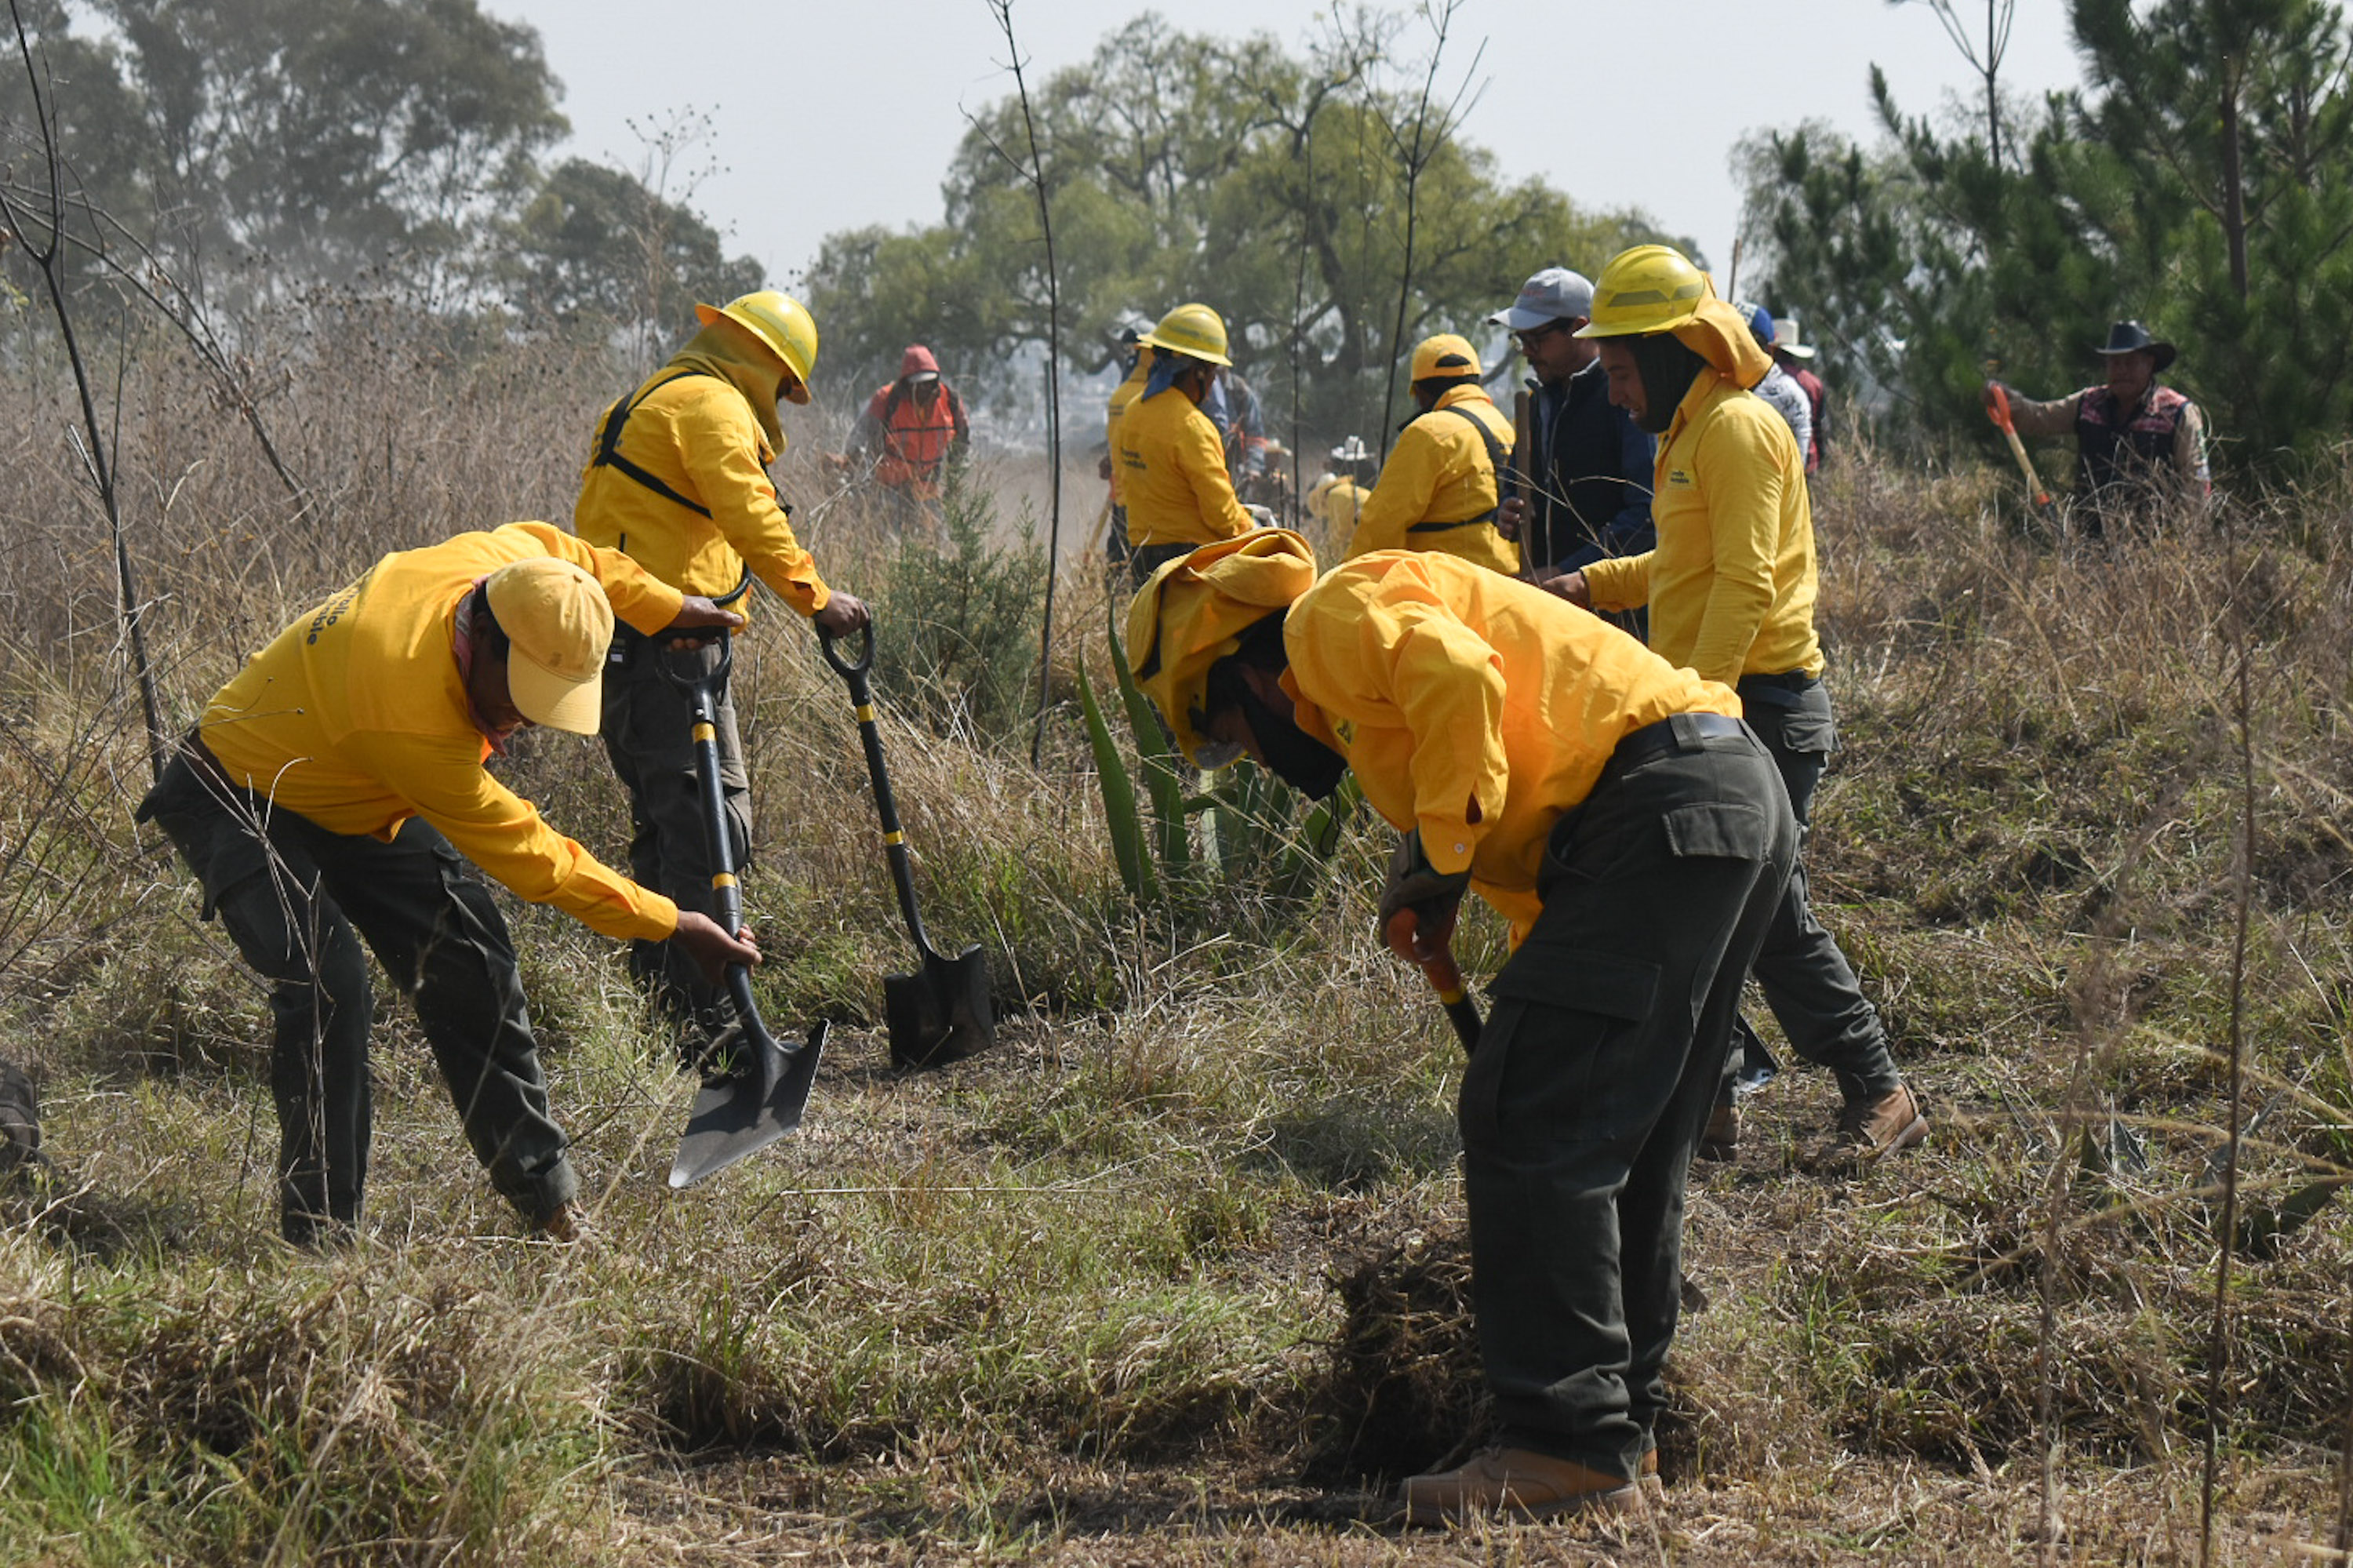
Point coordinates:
[(608, 446), (1496, 459)]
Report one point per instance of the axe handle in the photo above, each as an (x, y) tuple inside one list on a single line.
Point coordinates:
[(1999, 413), (1445, 977)]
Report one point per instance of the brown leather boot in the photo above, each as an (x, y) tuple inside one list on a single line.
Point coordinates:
[(1646, 1476), (1720, 1139), (1868, 1130), (1518, 1483)]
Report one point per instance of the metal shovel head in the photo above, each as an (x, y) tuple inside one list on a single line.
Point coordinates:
[(943, 1014), (748, 1110)]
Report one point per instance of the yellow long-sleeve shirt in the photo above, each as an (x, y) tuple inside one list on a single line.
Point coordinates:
[(1122, 396), (1731, 584), (697, 428), (1437, 477), (1337, 501), (355, 716), (1473, 706), (1173, 477)]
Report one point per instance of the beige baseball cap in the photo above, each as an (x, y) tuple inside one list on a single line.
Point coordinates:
[(559, 625)]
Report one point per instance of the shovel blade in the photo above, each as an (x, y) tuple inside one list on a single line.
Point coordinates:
[(742, 1114), (942, 1015)]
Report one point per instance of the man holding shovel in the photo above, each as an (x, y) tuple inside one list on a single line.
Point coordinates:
[(677, 480), (1635, 833), (1731, 588), (334, 791)]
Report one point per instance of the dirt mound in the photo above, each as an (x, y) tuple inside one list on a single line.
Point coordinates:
[(1401, 1389)]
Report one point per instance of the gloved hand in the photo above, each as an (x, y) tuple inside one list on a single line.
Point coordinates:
[(1433, 895), (1262, 516)]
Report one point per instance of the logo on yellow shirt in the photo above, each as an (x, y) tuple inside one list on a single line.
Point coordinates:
[(1679, 476)]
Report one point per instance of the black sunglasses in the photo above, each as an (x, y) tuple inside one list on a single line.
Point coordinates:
[(1535, 336)]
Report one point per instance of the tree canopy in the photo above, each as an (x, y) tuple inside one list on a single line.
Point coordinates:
[(2200, 179), (1268, 183), (251, 148)]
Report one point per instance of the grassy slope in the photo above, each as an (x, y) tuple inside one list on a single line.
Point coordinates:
[(1109, 1294)]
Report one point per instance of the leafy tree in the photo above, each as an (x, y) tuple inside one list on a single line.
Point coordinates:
[(2200, 178), (1187, 167), (320, 134), (597, 252)]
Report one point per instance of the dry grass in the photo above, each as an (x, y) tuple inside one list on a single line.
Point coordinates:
[(1191, 1237)]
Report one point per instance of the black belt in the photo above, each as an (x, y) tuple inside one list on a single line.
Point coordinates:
[(1677, 732), (1788, 681)]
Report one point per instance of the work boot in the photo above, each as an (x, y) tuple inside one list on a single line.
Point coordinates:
[(1518, 1483), (1871, 1130), (1720, 1139), (1646, 1476), (564, 1225)]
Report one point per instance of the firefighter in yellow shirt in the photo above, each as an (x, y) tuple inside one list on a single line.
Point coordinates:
[(1635, 833), (1441, 487), (1171, 461), (1139, 371), (676, 480), (337, 785), (1731, 586), (1337, 501)]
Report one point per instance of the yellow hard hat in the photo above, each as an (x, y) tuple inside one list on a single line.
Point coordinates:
[(780, 323), (1197, 332), (1193, 612), (1650, 289), (1445, 355)]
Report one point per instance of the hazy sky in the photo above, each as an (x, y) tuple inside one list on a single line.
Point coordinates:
[(831, 116)]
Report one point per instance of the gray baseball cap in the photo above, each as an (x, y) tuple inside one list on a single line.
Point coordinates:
[(1554, 294)]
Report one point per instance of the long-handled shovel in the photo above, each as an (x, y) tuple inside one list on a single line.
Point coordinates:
[(942, 1015), (1444, 976), (761, 1097)]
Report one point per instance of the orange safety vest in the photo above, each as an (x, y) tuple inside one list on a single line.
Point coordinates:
[(915, 441)]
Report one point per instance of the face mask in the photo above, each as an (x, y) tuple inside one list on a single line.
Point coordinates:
[(1292, 754)]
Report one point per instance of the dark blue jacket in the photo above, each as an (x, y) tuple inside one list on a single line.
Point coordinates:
[(1592, 466)]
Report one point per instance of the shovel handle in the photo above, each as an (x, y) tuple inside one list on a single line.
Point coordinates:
[(855, 672), (713, 685), (869, 736)]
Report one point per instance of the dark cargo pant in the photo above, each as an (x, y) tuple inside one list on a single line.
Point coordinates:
[(1806, 979), (1586, 1095), (648, 735), (290, 894)]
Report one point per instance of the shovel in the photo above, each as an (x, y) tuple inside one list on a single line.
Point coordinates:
[(762, 1098), (1444, 978), (942, 1015)]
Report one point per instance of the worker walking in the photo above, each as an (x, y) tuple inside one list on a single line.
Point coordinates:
[(911, 431), (2140, 448), (1615, 809), (1337, 501), (676, 480), (1779, 389), (1172, 463), (1731, 586), (1794, 355), (1443, 482), (334, 790)]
